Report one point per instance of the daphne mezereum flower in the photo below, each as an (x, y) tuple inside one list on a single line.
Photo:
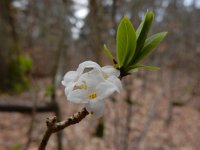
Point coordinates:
[(91, 89), (72, 76), (109, 72)]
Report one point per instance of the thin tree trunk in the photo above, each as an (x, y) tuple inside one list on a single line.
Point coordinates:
[(95, 27), (9, 46)]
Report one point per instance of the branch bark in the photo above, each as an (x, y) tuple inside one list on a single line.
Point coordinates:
[(54, 126)]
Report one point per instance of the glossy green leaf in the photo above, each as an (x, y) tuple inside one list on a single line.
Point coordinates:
[(136, 66), (126, 42), (107, 52), (139, 29), (151, 67), (150, 44), (142, 33)]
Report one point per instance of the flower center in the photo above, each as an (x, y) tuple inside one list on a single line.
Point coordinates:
[(92, 95), (82, 86), (105, 76)]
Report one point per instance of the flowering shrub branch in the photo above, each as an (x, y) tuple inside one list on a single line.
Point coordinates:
[(90, 83), (54, 126)]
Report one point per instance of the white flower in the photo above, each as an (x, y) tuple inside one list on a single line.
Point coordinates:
[(95, 108), (72, 76), (109, 72), (91, 87)]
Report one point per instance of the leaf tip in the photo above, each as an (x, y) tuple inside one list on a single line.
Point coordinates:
[(125, 17), (150, 15), (165, 33)]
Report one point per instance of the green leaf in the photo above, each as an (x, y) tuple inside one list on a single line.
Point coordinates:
[(133, 67), (151, 67), (139, 29), (142, 33), (150, 44), (126, 42), (107, 52)]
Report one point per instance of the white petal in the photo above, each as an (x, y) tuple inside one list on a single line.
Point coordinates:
[(104, 89), (70, 76), (96, 108), (116, 81), (69, 88), (92, 78), (87, 64), (78, 96), (64, 83), (110, 70)]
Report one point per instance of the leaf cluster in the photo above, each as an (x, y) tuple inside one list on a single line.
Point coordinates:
[(134, 46)]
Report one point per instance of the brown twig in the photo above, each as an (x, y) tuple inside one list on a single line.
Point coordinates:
[(54, 126)]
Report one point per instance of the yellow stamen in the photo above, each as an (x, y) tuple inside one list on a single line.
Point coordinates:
[(81, 86), (92, 95), (105, 76)]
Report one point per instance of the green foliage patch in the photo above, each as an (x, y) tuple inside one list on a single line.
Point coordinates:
[(15, 147), (49, 90), (18, 74), (134, 46)]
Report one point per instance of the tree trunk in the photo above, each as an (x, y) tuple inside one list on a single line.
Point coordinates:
[(9, 48), (95, 28)]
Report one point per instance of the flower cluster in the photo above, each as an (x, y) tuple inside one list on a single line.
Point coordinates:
[(90, 84)]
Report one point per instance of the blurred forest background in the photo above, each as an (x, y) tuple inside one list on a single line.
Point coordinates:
[(40, 40)]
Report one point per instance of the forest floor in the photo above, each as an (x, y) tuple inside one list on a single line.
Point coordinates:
[(140, 126)]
